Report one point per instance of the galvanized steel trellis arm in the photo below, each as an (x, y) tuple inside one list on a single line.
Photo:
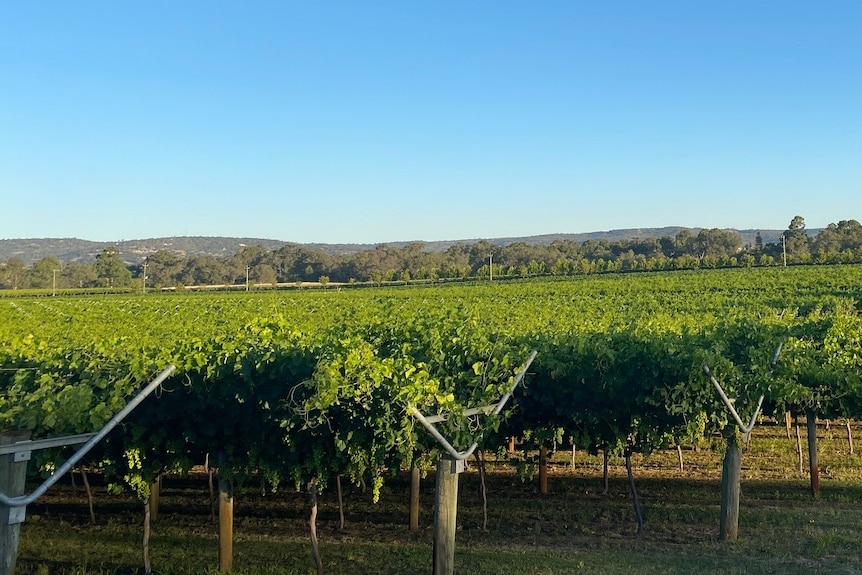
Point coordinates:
[(24, 500), (494, 409), (745, 429)]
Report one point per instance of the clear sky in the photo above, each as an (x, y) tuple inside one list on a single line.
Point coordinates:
[(371, 121)]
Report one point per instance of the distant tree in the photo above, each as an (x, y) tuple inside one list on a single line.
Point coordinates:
[(263, 274), (535, 268), (163, 268), (561, 267), (42, 274), (480, 254), (796, 240), (766, 260), (283, 261), (846, 235), (78, 275), (205, 270), (12, 273), (684, 244), (248, 257), (594, 250), (311, 264), (111, 269), (717, 243), (518, 254), (710, 262)]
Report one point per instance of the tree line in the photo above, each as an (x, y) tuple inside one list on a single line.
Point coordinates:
[(709, 248)]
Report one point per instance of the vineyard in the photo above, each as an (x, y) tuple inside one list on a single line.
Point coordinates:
[(309, 390)]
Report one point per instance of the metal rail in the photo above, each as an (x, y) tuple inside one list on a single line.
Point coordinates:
[(24, 500), (21, 447)]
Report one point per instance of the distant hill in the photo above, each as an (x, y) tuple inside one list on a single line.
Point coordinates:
[(134, 251)]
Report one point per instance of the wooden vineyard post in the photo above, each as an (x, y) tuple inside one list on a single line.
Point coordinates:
[(414, 499), (15, 451), (605, 468), (451, 463), (730, 488), (213, 498), (543, 471), (799, 449), (849, 436), (12, 476), (155, 493), (312, 526), (225, 516), (814, 470), (445, 514), (630, 448), (732, 465)]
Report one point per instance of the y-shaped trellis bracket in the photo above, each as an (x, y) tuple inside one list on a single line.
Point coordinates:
[(448, 468), (22, 501), (494, 408), (745, 429)]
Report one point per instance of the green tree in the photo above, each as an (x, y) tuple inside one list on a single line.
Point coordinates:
[(12, 273), (796, 240), (717, 243), (684, 243), (263, 274), (77, 275), (163, 268), (205, 270), (43, 274), (837, 238), (111, 269)]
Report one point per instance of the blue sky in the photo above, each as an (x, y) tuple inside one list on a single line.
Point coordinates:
[(367, 122)]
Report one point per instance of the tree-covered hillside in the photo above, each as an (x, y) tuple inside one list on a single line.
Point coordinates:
[(278, 262)]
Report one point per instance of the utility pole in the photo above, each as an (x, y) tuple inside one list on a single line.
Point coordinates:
[(246, 278), (491, 266), (144, 287), (784, 248), (54, 283)]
